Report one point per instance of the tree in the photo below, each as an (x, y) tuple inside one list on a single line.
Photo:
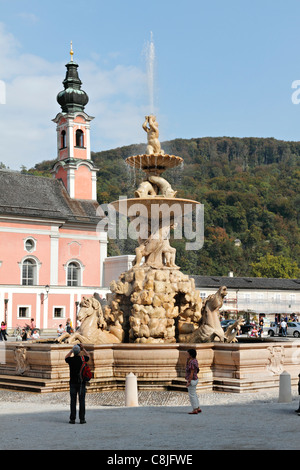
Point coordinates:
[(275, 267)]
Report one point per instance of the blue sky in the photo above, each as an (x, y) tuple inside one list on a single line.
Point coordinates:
[(221, 68)]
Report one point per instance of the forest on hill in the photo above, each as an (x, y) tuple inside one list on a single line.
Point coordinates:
[(250, 191)]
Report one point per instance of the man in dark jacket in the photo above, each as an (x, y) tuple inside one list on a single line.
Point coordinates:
[(76, 386)]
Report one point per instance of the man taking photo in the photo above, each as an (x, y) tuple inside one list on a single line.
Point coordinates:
[(77, 387)]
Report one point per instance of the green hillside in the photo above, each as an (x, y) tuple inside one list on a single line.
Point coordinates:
[(250, 191)]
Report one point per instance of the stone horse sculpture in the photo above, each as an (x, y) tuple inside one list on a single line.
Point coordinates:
[(92, 327), (210, 328)]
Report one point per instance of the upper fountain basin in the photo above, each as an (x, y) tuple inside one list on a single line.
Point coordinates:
[(154, 164)]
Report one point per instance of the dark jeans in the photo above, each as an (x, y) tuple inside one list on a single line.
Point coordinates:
[(80, 391)]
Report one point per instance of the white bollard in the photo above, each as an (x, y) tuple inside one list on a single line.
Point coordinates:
[(285, 389), (131, 390)]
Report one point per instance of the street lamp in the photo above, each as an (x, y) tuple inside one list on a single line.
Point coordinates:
[(47, 288)]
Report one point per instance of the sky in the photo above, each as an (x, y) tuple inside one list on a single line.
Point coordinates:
[(221, 68)]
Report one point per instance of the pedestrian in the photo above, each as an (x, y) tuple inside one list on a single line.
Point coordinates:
[(60, 330), (35, 335), (298, 411), (283, 325), (24, 334), (69, 328), (32, 325), (76, 386), (191, 371), (254, 331), (3, 330), (261, 326)]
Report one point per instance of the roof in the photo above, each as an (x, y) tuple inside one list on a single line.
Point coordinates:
[(27, 195), (246, 283)]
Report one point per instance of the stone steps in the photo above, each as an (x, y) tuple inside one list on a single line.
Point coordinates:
[(28, 384)]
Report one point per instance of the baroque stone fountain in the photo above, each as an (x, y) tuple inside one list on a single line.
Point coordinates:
[(154, 314), (154, 302)]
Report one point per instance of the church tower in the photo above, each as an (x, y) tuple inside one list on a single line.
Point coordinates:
[(74, 165)]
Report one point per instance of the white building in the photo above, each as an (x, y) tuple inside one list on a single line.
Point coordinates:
[(254, 295)]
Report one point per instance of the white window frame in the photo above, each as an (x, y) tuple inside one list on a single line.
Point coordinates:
[(37, 268), (34, 244), (63, 307), (24, 306), (81, 269)]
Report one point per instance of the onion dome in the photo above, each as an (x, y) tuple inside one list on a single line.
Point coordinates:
[(72, 98)]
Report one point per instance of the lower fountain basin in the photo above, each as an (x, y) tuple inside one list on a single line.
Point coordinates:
[(224, 367), (152, 205)]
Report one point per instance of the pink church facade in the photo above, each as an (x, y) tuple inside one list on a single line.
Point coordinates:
[(51, 252)]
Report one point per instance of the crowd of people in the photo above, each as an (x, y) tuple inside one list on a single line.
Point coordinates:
[(256, 329), (30, 332)]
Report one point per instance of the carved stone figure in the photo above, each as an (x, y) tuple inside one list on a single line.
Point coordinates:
[(164, 186), (145, 189), (209, 326), (155, 186), (20, 357), (156, 250), (232, 330), (93, 325), (276, 359), (151, 127)]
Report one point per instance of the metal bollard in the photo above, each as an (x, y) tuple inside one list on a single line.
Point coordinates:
[(131, 390), (285, 390)]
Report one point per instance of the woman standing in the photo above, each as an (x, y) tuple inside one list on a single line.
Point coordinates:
[(3, 330), (191, 371)]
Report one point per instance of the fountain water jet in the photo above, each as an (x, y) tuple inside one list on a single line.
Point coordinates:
[(150, 64)]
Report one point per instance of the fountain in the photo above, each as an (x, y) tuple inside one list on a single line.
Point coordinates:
[(154, 313), (154, 302)]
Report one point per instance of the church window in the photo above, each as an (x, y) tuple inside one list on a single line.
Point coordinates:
[(29, 245), (73, 274), (79, 138), (63, 140), (29, 273)]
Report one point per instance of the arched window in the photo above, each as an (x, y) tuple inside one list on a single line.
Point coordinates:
[(29, 272), (73, 277), (79, 138), (63, 140)]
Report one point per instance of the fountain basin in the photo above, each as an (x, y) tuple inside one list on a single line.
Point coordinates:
[(177, 207), (154, 164), (229, 367)]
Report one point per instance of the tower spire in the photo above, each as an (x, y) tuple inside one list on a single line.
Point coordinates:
[(74, 165), (71, 51), (72, 98)]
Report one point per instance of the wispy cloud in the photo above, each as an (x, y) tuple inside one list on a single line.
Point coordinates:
[(29, 17)]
